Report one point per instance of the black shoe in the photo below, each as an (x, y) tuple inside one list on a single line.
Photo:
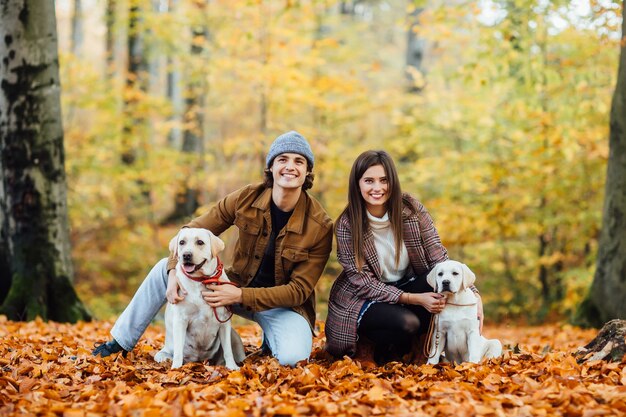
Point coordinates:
[(108, 348)]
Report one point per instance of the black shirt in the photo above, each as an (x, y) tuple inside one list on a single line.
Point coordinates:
[(265, 275)]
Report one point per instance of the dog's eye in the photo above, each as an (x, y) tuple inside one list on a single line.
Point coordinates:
[(455, 273), (440, 274), (182, 242), (200, 242)]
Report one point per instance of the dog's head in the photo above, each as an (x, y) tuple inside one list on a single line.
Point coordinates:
[(196, 250), (450, 277)]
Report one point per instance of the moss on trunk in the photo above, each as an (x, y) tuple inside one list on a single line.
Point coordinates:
[(49, 298)]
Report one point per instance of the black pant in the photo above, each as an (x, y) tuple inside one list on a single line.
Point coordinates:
[(392, 328)]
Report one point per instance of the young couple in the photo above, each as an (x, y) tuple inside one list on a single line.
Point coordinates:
[(386, 244)]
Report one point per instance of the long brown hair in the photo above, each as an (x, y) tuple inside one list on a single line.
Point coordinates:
[(357, 211)]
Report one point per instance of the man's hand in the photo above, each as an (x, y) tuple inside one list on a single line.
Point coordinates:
[(222, 295), (481, 315), (175, 292)]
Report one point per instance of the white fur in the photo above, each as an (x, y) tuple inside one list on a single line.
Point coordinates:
[(457, 327), (192, 333)]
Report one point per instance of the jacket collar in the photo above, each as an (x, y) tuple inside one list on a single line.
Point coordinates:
[(296, 221)]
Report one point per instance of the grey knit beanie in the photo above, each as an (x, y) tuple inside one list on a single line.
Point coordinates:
[(290, 142)]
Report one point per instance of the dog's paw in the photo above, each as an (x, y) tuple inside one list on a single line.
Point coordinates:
[(232, 366), (162, 356)]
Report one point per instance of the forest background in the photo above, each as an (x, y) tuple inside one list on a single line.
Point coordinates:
[(496, 113)]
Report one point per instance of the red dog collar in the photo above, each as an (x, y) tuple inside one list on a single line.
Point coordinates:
[(214, 278)]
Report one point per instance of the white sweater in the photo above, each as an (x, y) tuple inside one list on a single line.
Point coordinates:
[(386, 249)]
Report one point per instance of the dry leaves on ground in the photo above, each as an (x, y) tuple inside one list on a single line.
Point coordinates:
[(47, 369)]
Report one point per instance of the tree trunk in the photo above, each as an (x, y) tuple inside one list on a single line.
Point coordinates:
[(31, 165), (609, 344), (415, 48), (77, 28), (135, 131), (5, 266), (110, 15), (605, 300), (174, 94), (135, 83), (187, 198)]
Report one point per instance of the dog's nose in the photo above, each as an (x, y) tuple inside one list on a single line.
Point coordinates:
[(445, 283), (187, 257)]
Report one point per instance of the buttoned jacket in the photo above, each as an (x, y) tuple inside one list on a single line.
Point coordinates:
[(302, 247), (353, 287)]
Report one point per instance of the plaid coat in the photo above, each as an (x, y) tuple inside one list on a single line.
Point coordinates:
[(352, 288)]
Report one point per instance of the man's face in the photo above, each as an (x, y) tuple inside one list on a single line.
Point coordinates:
[(289, 170)]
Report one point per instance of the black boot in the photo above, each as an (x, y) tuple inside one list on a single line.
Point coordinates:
[(108, 348)]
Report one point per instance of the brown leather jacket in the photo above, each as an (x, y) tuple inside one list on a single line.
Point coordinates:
[(302, 247)]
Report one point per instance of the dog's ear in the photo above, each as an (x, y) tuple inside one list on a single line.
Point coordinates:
[(468, 276), (174, 245), (431, 278), (217, 244)]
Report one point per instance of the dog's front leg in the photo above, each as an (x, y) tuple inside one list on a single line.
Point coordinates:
[(227, 348), (474, 346), (437, 344), (179, 332)]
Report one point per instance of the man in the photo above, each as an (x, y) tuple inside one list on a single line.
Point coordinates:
[(285, 238)]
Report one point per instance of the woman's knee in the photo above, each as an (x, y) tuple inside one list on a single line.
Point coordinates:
[(410, 323)]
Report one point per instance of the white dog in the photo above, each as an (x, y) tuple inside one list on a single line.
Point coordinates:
[(457, 329), (193, 330)]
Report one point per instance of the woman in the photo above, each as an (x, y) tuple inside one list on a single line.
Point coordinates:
[(386, 243)]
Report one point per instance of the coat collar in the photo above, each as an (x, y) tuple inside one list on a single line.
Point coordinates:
[(296, 221)]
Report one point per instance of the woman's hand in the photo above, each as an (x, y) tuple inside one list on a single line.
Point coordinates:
[(175, 292), (433, 302), (222, 295)]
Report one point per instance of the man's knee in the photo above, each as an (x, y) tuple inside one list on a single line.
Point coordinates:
[(291, 355)]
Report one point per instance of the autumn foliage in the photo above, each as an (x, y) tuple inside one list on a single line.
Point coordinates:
[(47, 369), (505, 143)]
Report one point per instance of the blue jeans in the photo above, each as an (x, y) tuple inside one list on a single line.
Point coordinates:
[(286, 333)]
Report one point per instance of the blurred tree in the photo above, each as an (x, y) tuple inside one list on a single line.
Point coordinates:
[(186, 201), (605, 300), (35, 224), (415, 50), (136, 130), (77, 28), (174, 94), (136, 81), (109, 21)]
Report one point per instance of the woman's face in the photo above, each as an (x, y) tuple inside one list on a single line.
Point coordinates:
[(374, 190)]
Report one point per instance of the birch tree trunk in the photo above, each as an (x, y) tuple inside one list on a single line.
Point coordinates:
[(605, 300), (35, 224)]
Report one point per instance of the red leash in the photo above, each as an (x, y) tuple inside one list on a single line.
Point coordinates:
[(214, 279)]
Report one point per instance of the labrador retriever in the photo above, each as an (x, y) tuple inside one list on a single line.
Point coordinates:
[(456, 329), (194, 331)]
